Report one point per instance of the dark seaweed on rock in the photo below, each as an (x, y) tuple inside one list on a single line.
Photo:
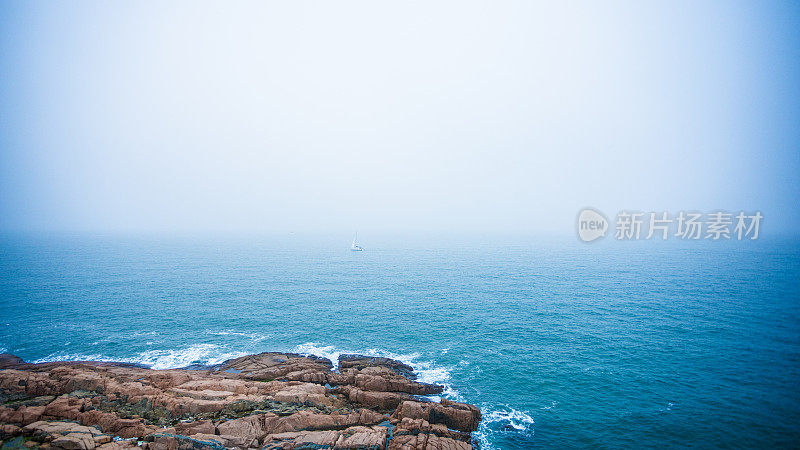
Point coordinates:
[(269, 401)]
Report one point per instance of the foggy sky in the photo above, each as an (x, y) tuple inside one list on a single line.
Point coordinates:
[(462, 116)]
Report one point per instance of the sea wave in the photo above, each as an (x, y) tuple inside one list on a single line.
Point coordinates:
[(325, 351), (552, 405), (426, 371), (503, 419), (206, 354), (253, 337), (496, 419)]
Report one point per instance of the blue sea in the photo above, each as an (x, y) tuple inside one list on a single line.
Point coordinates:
[(561, 344)]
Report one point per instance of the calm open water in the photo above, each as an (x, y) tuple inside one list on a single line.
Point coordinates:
[(562, 344)]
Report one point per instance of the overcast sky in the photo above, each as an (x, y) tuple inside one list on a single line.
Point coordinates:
[(328, 116)]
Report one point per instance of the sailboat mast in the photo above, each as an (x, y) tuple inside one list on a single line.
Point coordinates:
[(355, 246)]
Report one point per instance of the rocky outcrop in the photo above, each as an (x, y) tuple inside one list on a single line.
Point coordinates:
[(458, 416), (349, 438), (348, 361), (67, 434), (279, 366), (379, 400), (268, 400)]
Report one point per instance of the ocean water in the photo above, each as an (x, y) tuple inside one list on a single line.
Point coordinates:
[(561, 344)]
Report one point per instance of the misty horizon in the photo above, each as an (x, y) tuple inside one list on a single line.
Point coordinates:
[(434, 117)]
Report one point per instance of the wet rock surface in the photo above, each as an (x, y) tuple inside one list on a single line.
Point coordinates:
[(269, 400)]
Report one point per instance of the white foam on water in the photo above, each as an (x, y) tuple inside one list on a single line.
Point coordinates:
[(145, 333), (325, 351), (64, 356), (254, 337), (502, 420), (496, 419), (426, 371), (206, 354)]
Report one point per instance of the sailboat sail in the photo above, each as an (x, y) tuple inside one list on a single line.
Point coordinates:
[(355, 247)]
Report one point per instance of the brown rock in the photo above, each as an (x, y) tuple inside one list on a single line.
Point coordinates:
[(270, 366), (360, 362), (102, 439), (426, 442), (416, 426), (250, 428), (278, 400), (304, 393), (383, 401), (306, 420), (8, 431), (118, 445), (385, 380), (64, 407), (302, 439), (67, 435), (60, 428), (363, 437), (164, 441), (196, 427), (73, 441), (349, 438), (9, 361), (458, 416)]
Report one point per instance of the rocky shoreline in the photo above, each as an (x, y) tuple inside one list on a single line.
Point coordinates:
[(265, 401)]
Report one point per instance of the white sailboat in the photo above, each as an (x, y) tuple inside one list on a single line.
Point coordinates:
[(355, 247)]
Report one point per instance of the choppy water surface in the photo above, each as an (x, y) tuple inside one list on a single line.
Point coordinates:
[(561, 344)]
